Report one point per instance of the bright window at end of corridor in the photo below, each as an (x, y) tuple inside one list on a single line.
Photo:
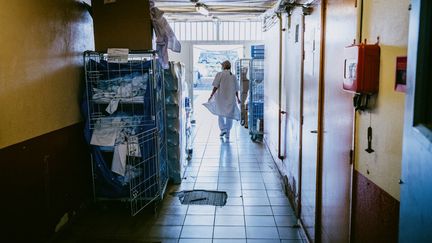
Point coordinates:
[(207, 61)]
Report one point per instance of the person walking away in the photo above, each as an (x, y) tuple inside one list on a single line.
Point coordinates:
[(224, 99)]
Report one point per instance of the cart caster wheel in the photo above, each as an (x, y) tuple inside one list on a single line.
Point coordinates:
[(156, 208), (242, 122)]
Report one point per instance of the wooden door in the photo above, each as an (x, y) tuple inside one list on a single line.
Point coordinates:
[(416, 191), (336, 126), (309, 130)]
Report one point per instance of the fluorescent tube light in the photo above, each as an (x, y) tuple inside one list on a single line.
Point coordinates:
[(202, 9)]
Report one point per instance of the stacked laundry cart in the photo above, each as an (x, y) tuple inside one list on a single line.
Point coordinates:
[(178, 124), (256, 99), (124, 109)]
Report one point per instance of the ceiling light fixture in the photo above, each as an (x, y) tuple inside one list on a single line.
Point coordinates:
[(202, 9)]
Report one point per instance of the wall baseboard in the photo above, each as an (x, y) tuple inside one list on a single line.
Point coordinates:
[(375, 215), (288, 186), (44, 178)]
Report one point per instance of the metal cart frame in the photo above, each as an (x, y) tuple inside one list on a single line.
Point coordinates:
[(256, 100), (146, 154)]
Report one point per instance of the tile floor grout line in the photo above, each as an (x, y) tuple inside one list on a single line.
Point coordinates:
[(236, 143), (242, 196)]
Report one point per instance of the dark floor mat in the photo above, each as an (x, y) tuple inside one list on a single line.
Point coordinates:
[(203, 197)]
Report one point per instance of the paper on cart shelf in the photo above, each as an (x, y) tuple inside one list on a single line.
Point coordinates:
[(133, 146), (119, 159), (106, 134), (118, 55)]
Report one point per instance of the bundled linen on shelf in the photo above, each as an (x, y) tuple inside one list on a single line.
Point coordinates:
[(130, 88), (175, 96), (127, 89), (120, 88)]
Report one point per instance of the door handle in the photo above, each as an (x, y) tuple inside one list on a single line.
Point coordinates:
[(314, 131), (281, 112)]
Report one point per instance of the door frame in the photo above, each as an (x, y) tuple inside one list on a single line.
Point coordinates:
[(320, 103), (415, 217), (320, 138), (301, 123), (327, 26)]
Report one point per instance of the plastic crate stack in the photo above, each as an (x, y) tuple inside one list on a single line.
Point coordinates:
[(124, 109), (257, 51)]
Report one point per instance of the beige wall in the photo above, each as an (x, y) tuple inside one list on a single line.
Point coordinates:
[(387, 19), (41, 48)]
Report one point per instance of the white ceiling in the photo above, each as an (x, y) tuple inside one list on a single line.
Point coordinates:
[(232, 10)]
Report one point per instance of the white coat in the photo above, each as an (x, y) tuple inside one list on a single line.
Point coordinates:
[(224, 101), (165, 37)]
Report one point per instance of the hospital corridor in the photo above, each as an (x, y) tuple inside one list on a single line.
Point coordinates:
[(216, 121), (256, 208)]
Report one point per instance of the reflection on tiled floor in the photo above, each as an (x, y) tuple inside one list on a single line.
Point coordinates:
[(256, 210)]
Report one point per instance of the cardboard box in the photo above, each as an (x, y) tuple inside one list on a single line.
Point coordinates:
[(122, 24)]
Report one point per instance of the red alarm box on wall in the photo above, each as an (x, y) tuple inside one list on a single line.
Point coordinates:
[(361, 68)]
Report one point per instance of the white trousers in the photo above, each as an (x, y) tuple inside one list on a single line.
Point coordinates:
[(225, 124)]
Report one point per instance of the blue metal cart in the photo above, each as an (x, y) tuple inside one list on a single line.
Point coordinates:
[(256, 100)]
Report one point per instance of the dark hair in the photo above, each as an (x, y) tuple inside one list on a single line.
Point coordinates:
[(226, 65)]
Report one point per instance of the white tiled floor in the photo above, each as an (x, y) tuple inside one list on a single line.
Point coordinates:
[(256, 210)]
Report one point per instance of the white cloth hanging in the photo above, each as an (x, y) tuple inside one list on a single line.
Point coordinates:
[(165, 37), (224, 101), (119, 159), (112, 106)]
